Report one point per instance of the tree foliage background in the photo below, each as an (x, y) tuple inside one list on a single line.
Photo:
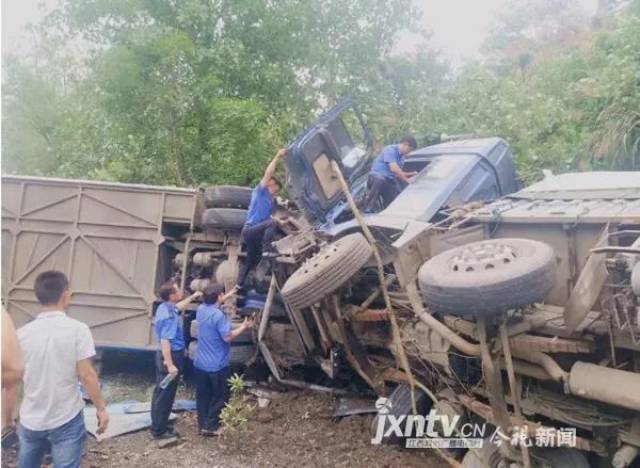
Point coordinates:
[(203, 91)]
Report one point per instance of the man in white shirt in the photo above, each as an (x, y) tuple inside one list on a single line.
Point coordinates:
[(57, 353)]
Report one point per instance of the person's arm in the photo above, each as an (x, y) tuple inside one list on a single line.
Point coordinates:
[(230, 293), (9, 398), (165, 347), (271, 168), (233, 334), (87, 375), (12, 365), (89, 378), (185, 302), (400, 174)]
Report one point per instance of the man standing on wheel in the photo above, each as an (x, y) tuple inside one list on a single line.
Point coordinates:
[(386, 174), (260, 228)]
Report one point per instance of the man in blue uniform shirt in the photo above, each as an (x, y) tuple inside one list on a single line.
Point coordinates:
[(260, 228), (170, 357), (386, 175), (212, 357)]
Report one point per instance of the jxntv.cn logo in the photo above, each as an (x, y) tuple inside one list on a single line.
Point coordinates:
[(426, 431)]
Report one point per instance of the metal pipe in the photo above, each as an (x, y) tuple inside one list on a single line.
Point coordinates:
[(470, 349), (527, 369), (545, 361), (613, 386), (266, 312)]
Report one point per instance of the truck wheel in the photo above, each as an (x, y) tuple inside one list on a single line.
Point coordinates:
[(227, 196), (224, 218), (399, 404), (488, 277), (326, 271)]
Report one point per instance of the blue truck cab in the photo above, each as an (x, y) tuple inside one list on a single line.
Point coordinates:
[(449, 174)]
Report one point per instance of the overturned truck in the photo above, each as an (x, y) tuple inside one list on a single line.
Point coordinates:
[(466, 295), (521, 312)]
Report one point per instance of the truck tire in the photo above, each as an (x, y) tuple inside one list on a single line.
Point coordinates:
[(399, 404), (326, 271), (239, 354), (488, 277), (224, 218), (227, 196)]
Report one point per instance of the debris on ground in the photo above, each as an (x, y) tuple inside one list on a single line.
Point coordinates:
[(348, 406), (276, 436), (120, 422)]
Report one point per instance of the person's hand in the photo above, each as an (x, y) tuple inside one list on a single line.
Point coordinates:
[(282, 152), (103, 420), (171, 368), (197, 295), (247, 323), (412, 174)]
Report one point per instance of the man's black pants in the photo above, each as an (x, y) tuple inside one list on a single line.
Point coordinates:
[(163, 398), (212, 393), (256, 239), (380, 188)]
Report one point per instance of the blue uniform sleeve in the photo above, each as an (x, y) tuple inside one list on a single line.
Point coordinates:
[(389, 155), (224, 325), (168, 329), (261, 189)]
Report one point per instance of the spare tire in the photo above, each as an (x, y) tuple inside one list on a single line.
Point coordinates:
[(224, 218), (488, 277), (227, 196), (326, 271)]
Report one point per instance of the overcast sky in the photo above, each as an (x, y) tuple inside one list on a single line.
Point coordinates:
[(458, 26)]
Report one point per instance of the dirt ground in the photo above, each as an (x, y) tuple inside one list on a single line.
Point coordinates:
[(296, 429)]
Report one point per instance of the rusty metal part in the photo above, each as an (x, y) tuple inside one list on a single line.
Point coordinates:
[(356, 354), (325, 340), (513, 387), (613, 386), (551, 345), (524, 341), (395, 329), (493, 380), (370, 315), (374, 295)]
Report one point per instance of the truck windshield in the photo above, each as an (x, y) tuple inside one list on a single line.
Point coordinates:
[(444, 167)]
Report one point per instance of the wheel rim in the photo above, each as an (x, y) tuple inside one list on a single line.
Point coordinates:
[(481, 257)]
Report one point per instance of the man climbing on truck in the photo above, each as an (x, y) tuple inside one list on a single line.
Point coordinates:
[(260, 227), (386, 175)]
